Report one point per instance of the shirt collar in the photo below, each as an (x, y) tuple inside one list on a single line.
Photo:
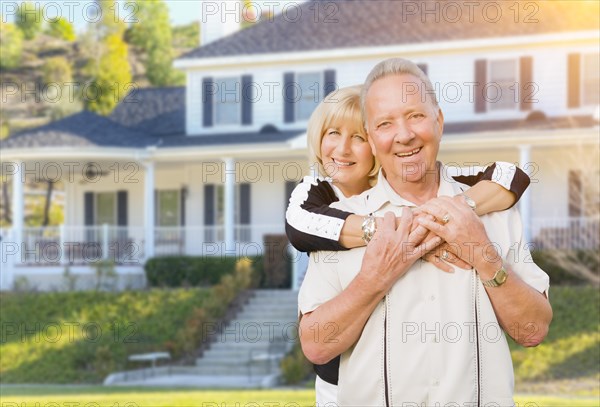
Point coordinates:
[(382, 192)]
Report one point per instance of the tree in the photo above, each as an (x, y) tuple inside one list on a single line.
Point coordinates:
[(61, 28), (11, 45), (29, 19), (112, 79), (152, 33), (108, 67), (57, 70)]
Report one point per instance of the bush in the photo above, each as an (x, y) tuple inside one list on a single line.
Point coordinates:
[(181, 271), (295, 367), (545, 259), (61, 28)]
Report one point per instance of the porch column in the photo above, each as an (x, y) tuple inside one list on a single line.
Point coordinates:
[(525, 202), (149, 210), (13, 245), (229, 221), (17, 207)]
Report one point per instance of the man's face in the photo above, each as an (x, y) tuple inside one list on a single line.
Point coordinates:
[(404, 128)]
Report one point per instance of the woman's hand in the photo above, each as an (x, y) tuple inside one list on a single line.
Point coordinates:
[(461, 228)]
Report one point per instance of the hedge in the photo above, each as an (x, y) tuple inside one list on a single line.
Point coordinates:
[(558, 275), (189, 271)]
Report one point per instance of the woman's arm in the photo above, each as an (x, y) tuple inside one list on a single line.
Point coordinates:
[(311, 224), (494, 188)]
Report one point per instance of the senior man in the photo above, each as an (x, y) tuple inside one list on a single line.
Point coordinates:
[(410, 334)]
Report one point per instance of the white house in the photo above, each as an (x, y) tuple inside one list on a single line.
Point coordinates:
[(207, 169)]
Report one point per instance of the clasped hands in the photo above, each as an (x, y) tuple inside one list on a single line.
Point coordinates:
[(444, 231)]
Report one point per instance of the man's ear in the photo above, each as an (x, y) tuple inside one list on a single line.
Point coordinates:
[(370, 140), (440, 120)]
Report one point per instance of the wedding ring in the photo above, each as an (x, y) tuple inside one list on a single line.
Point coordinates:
[(446, 218), (444, 255)]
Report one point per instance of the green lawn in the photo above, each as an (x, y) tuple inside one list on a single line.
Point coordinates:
[(25, 396)]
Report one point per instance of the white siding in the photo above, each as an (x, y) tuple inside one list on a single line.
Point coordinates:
[(452, 75)]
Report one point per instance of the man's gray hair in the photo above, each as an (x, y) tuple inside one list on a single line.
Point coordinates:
[(395, 66)]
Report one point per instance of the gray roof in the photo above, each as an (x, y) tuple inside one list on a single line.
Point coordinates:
[(87, 129), (155, 111), (83, 129), (364, 23)]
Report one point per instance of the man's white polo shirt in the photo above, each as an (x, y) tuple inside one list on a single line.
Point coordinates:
[(434, 339)]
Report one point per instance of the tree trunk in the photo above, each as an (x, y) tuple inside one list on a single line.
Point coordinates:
[(6, 203), (48, 203)]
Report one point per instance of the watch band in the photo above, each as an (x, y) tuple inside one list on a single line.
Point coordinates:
[(499, 278), (469, 201), (369, 227)]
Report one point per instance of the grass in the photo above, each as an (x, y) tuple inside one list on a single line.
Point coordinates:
[(25, 396)]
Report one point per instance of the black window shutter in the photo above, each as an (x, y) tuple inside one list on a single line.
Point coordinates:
[(245, 204), (423, 67), (207, 102), (527, 88), (289, 188), (289, 97), (182, 194), (209, 204), (480, 82), (122, 208), (329, 84), (574, 80), (247, 97), (88, 208)]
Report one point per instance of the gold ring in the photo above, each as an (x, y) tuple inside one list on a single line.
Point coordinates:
[(446, 218), (444, 255)]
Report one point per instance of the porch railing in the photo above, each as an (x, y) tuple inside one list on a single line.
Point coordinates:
[(566, 233), (63, 245)]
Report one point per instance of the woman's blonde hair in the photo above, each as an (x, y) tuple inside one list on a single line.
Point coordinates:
[(340, 107)]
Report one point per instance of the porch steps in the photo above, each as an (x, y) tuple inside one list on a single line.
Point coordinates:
[(270, 317)]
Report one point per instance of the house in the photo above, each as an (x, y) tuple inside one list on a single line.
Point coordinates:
[(207, 169)]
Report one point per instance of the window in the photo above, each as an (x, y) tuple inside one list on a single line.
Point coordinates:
[(227, 101), (590, 85), (502, 84), (311, 92), (106, 208), (168, 208)]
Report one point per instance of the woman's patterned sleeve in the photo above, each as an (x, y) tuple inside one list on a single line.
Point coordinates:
[(311, 224), (507, 175)]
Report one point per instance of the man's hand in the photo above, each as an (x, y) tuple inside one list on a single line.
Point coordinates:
[(461, 228), (392, 251)]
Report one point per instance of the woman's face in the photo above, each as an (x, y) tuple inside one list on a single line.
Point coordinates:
[(347, 158)]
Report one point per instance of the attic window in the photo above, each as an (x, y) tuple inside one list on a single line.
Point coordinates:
[(227, 101)]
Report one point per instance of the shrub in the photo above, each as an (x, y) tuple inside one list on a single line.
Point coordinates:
[(295, 367), (61, 28), (181, 271), (546, 260)]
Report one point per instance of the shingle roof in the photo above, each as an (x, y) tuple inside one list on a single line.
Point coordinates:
[(83, 129), (334, 24), (155, 111), (87, 129)]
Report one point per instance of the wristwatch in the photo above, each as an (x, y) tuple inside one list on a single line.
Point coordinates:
[(469, 201), (369, 227), (499, 278)]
